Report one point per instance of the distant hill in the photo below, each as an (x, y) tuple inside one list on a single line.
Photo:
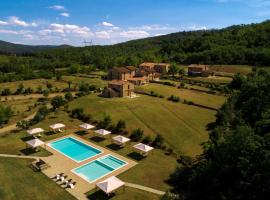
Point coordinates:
[(239, 44), (11, 48)]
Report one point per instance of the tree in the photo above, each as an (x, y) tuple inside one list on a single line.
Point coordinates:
[(46, 93), (173, 70), (58, 76), (158, 141), (106, 122), (57, 102), (120, 126), (20, 89), (69, 96), (5, 114), (136, 135), (6, 92), (49, 85), (24, 124)]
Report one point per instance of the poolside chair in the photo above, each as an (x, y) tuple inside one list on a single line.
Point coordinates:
[(68, 181), (72, 185)]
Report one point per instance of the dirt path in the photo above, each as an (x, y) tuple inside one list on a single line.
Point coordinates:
[(18, 156), (147, 189), (13, 126)]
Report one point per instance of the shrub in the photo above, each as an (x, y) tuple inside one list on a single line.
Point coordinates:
[(6, 92), (69, 96), (158, 141), (174, 98), (136, 135), (77, 113), (106, 122), (57, 102), (147, 140), (24, 124), (120, 126)]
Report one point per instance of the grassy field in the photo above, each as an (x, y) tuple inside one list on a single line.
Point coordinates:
[(205, 99), (35, 83), (182, 126), (213, 79), (18, 181), (20, 109)]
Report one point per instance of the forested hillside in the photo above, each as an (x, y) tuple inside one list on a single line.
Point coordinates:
[(243, 44), (11, 48), (236, 159)]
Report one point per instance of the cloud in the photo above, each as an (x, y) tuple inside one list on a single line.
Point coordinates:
[(15, 21), (4, 31), (57, 7), (28, 36), (107, 24), (3, 23), (103, 35), (153, 27), (64, 29), (196, 28), (65, 14), (134, 34)]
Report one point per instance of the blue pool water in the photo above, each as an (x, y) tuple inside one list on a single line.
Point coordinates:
[(99, 168), (74, 149)]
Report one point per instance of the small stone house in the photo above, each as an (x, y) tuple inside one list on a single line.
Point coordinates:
[(199, 70), (119, 88), (161, 68)]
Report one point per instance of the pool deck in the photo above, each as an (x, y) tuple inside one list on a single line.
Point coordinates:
[(61, 164)]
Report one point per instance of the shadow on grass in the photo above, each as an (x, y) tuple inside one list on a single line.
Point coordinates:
[(99, 195), (81, 133), (135, 156), (28, 151), (30, 137), (97, 139), (114, 147), (49, 133)]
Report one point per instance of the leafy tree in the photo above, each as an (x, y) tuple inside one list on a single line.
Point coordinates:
[(20, 89), (158, 141), (173, 70), (57, 102), (69, 96), (24, 124), (136, 135), (6, 92), (5, 114), (120, 126), (58, 76), (106, 122), (46, 93)]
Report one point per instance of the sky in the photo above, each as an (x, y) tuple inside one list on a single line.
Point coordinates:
[(55, 22)]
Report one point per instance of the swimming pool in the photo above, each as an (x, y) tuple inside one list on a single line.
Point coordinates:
[(99, 168), (74, 149)]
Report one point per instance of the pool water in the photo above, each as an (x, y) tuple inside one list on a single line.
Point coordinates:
[(75, 149), (99, 168)]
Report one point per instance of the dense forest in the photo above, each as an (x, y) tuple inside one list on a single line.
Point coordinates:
[(236, 159)]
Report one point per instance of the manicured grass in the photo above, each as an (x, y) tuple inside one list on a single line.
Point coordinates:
[(18, 181), (201, 98), (182, 126)]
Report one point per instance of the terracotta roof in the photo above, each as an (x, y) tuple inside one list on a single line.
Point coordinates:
[(120, 69), (131, 68)]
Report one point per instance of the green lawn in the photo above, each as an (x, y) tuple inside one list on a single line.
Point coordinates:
[(182, 126), (201, 98), (18, 181)]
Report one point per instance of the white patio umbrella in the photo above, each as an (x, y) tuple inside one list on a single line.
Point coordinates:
[(109, 185), (35, 131), (87, 126), (103, 132), (35, 143), (57, 126), (120, 140), (142, 148)]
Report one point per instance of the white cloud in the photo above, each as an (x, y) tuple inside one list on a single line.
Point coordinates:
[(72, 30), (103, 35), (196, 28), (3, 23), (57, 7), (134, 34), (65, 14), (107, 24), (4, 31), (153, 27), (15, 21), (28, 36)]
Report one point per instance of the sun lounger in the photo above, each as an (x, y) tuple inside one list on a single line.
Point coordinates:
[(71, 185), (39, 165)]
